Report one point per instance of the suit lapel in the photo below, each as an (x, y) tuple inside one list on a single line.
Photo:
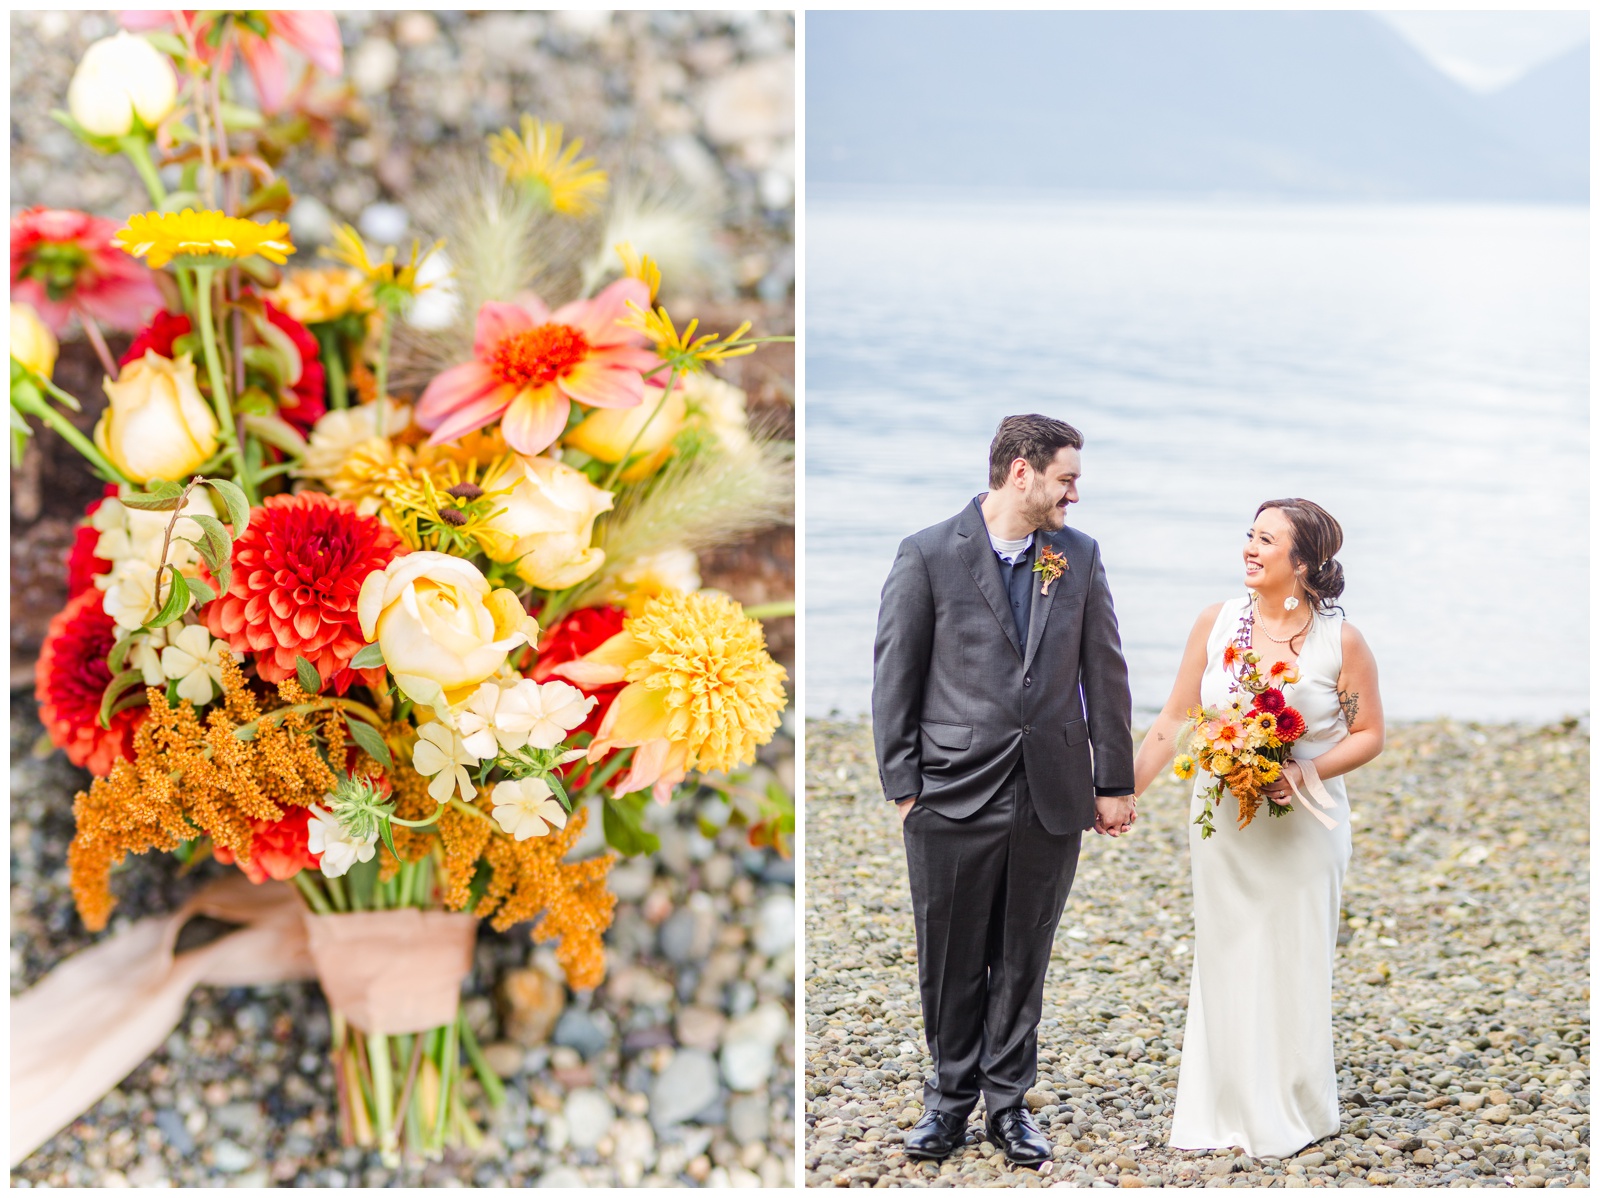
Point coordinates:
[(972, 543), (1039, 611)]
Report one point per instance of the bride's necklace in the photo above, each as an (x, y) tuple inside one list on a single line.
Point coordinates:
[(1255, 602)]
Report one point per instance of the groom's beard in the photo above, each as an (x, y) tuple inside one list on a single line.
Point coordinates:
[(1039, 511)]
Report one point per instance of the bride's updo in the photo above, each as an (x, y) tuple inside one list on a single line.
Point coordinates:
[(1317, 537)]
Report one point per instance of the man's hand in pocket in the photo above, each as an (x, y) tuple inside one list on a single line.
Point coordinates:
[(905, 807)]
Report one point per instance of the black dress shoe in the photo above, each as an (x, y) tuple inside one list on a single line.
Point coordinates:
[(1014, 1130), (936, 1135)]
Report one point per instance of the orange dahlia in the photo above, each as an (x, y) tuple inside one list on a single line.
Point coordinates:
[(297, 572), (278, 850), (70, 679)]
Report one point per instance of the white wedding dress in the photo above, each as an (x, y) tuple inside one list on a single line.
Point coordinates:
[(1257, 1070)]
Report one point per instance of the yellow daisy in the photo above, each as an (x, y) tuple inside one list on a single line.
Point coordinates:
[(391, 281), (159, 237), (561, 180), (642, 268), (684, 351)]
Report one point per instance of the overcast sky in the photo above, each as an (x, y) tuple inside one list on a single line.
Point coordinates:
[(1488, 50)]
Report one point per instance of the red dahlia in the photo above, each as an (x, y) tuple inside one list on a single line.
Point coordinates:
[(1291, 725), (70, 679), (304, 403), (297, 572), (278, 850), (82, 564), (1271, 700), (567, 639)]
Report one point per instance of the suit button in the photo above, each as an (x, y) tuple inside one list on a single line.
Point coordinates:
[(1027, 728), (1027, 680)]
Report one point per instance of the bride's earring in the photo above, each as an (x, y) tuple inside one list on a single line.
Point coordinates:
[(1290, 603)]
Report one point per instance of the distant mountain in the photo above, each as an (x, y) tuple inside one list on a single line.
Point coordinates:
[(1314, 104)]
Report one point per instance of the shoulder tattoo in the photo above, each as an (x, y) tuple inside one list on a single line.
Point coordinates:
[(1350, 701)]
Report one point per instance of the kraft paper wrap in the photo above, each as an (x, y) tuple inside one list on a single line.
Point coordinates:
[(392, 972), (96, 1016)]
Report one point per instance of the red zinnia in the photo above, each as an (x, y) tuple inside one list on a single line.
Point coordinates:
[(71, 678), (1271, 700), (566, 640), (297, 572), (1291, 725), (278, 850), (82, 564), (63, 261), (302, 406)]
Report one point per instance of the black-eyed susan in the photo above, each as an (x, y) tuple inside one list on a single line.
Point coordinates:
[(554, 176), (209, 238)]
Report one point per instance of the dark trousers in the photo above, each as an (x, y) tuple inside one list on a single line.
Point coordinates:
[(988, 892)]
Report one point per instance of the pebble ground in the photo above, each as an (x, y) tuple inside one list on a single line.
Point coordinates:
[(1461, 985)]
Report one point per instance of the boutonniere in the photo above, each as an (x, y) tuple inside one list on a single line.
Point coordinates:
[(1050, 566)]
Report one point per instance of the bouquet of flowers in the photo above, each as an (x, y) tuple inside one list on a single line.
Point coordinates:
[(388, 651), (1243, 741)]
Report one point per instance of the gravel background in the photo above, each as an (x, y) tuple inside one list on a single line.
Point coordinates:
[(1461, 986), (677, 1071)]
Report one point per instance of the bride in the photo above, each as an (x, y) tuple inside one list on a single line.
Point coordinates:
[(1258, 1070)]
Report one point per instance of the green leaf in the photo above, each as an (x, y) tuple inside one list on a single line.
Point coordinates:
[(624, 827), (119, 651), (201, 590), (139, 698), (216, 549), (370, 740), (481, 877), (117, 687), (158, 496), (235, 118), (177, 600), (168, 43), (369, 657), (275, 198), (388, 837), (238, 506), (177, 201), (306, 673), (553, 780)]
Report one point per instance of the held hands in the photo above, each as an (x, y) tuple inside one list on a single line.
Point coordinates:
[(1114, 814), (1279, 791)]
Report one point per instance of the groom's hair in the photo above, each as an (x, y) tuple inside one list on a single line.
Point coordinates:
[(1034, 439)]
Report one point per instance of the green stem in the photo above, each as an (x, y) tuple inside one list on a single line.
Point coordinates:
[(492, 1089), (390, 315), (312, 895), (449, 1055), (417, 823), (470, 810), (185, 288), (666, 394), (68, 433), (341, 901), (219, 390), (600, 778), (383, 1091), (333, 364), (137, 148), (771, 611)]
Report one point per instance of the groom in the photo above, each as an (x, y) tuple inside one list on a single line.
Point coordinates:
[(1001, 712)]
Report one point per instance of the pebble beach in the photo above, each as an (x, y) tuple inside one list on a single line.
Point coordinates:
[(1461, 983)]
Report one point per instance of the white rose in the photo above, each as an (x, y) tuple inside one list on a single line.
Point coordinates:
[(547, 523)]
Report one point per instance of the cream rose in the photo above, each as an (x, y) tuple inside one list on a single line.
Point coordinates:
[(547, 524), (442, 629), (32, 342), (121, 79), (158, 425), (608, 433)]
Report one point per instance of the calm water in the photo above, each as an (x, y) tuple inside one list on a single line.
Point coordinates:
[(1422, 372)]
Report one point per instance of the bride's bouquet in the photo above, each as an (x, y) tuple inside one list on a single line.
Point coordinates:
[(387, 651), (1244, 740)]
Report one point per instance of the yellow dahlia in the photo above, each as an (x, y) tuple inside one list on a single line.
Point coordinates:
[(557, 177), (323, 293), (701, 691), (159, 237)]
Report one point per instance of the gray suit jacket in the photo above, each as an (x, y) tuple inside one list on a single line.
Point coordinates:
[(956, 700)]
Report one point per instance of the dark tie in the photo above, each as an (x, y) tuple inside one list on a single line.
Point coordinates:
[(1019, 582)]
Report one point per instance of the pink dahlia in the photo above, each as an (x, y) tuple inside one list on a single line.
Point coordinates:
[(529, 364), (63, 262), (297, 572), (314, 34), (71, 678)]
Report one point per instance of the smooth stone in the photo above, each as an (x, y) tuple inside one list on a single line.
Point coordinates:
[(228, 1157), (577, 1029), (589, 1117), (532, 1001), (686, 1087), (774, 931), (700, 1027), (504, 1058)]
